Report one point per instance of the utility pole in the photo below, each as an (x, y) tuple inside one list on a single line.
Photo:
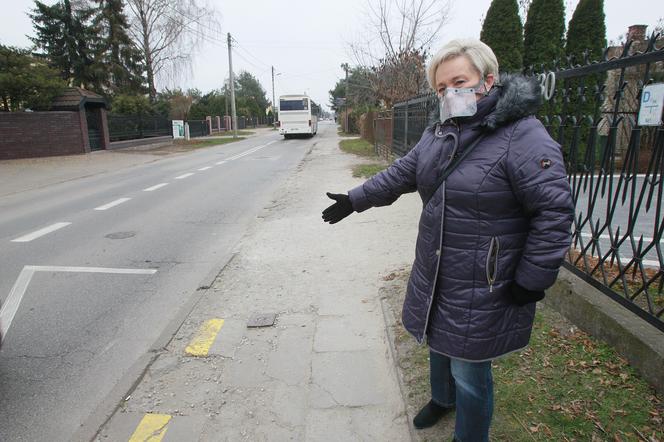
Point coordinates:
[(232, 81), (226, 98), (274, 103), (345, 68)]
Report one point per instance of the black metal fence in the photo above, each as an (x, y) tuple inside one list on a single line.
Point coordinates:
[(131, 127), (615, 168), (616, 171), (410, 118), (198, 128)]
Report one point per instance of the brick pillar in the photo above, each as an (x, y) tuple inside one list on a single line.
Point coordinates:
[(227, 122), (105, 134), (208, 122), (218, 118)]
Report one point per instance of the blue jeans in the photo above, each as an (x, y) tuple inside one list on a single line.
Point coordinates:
[(469, 387)]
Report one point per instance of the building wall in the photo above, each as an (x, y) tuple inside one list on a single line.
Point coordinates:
[(40, 134)]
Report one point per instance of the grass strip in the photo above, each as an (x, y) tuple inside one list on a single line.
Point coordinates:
[(367, 170), (244, 133), (357, 146), (566, 386), (203, 142)]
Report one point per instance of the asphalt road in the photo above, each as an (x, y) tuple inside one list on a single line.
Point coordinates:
[(112, 259), (645, 217)]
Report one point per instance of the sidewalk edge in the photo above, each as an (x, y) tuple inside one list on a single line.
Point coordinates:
[(389, 321)]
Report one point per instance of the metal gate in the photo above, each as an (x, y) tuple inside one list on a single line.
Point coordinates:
[(94, 128), (198, 128)]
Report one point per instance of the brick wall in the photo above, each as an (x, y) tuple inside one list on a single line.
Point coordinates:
[(40, 134)]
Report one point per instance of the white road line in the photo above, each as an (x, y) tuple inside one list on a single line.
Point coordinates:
[(41, 232), (112, 204), (116, 271), (205, 168), (181, 177), (158, 186), (13, 301), (250, 151), (219, 163), (646, 239)]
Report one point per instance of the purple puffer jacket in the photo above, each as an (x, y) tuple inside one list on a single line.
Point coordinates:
[(503, 215)]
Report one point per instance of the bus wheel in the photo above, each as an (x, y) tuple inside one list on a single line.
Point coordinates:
[(286, 136)]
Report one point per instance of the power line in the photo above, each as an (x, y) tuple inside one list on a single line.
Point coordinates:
[(249, 61), (241, 47)]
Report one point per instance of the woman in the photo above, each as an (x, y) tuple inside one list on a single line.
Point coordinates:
[(491, 237)]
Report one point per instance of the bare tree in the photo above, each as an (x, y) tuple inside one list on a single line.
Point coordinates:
[(398, 27), (400, 34), (167, 33)]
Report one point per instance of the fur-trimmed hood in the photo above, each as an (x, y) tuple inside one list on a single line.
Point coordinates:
[(517, 97)]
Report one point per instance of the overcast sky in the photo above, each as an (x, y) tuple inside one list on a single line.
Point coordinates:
[(306, 41)]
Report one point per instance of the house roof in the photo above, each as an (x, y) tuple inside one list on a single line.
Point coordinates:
[(75, 98)]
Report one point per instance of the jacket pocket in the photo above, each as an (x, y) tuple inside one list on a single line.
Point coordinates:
[(491, 265)]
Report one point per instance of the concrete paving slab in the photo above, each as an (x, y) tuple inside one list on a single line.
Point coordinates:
[(347, 333), (290, 405), (353, 378), (249, 366), (330, 425), (356, 424), (288, 362), (228, 339), (320, 398)]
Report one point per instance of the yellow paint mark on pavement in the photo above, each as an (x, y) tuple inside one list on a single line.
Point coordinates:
[(152, 428), (200, 345)]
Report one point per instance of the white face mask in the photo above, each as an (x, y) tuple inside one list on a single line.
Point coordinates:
[(459, 102)]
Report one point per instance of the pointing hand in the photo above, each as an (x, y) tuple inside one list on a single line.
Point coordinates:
[(339, 210)]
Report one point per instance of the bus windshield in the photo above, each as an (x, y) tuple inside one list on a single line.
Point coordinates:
[(294, 105)]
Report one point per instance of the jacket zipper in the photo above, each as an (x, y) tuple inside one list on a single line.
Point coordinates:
[(439, 252), (440, 248), (491, 265)]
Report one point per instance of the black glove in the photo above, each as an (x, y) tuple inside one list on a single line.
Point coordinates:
[(339, 210), (522, 296)]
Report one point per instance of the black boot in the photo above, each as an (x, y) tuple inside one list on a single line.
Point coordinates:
[(429, 415)]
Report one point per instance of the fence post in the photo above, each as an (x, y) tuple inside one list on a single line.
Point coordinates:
[(405, 135), (186, 131), (375, 137)]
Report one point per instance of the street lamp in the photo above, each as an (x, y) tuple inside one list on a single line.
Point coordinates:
[(274, 103)]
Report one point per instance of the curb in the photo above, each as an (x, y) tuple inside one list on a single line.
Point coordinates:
[(596, 314), (390, 321)]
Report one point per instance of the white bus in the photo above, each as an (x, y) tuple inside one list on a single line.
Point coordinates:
[(297, 116)]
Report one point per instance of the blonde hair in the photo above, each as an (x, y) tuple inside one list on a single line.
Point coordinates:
[(479, 54)]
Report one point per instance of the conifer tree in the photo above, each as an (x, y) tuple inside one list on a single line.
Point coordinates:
[(503, 32), (66, 40), (116, 51), (543, 39), (587, 31)]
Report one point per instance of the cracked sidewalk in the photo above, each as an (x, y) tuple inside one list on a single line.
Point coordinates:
[(324, 371)]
